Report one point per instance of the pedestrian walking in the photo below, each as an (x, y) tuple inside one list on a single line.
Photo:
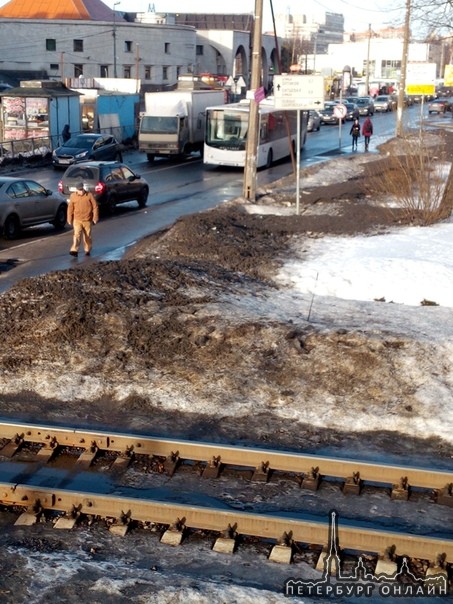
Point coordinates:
[(65, 133), (83, 212), (355, 133), (367, 131)]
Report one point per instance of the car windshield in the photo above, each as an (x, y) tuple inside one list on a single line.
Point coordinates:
[(80, 142)]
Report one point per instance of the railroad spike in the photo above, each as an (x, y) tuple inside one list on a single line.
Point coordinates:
[(401, 491), (175, 532), (286, 539), (353, 484), (311, 479), (171, 462), (230, 532), (262, 472), (212, 469), (282, 552)]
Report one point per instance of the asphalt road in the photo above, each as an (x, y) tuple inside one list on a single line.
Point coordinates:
[(176, 189)]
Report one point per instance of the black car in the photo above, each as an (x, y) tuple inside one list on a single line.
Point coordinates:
[(327, 114), (87, 147), (352, 111), (110, 182), (365, 105)]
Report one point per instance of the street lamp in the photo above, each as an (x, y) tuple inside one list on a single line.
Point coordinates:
[(114, 39)]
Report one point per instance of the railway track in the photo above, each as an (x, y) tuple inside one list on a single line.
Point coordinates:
[(67, 507)]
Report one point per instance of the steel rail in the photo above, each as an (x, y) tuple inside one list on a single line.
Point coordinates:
[(285, 461), (259, 525)]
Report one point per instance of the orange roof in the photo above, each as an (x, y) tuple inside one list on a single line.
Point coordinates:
[(86, 10)]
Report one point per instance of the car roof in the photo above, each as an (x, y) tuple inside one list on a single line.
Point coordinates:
[(9, 179), (96, 164)]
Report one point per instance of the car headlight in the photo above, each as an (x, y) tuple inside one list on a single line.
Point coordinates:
[(83, 154)]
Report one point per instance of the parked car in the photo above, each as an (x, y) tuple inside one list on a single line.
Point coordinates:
[(365, 105), (87, 147), (383, 103), (327, 114), (25, 203), (314, 120), (439, 106), (110, 182)]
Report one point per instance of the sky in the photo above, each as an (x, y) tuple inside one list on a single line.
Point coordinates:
[(358, 14)]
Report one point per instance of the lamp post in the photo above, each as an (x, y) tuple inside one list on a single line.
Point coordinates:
[(114, 39)]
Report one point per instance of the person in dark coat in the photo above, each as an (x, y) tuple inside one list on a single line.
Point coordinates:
[(66, 133), (355, 133), (367, 131)]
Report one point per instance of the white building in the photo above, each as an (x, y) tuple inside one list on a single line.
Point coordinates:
[(385, 57), (61, 39)]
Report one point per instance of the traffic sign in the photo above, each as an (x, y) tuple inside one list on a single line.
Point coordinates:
[(298, 92), (420, 78), (340, 111)]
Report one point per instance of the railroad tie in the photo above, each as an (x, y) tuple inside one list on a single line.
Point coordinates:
[(226, 543)]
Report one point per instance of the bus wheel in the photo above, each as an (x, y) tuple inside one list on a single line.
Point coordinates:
[(270, 158)]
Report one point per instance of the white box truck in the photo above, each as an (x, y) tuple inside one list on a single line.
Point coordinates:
[(173, 123)]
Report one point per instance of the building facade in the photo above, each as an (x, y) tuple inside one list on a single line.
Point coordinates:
[(89, 40)]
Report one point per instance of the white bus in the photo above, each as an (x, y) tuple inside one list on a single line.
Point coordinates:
[(226, 133)]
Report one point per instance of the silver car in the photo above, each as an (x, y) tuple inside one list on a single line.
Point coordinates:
[(314, 121), (25, 203)]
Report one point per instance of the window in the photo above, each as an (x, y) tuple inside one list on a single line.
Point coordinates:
[(51, 44), (147, 72), (78, 70), (199, 50), (78, 45), (127, 46), (127, 71), (104, 71), (54, 67), (167, 48), (165, 72), (17, 191)]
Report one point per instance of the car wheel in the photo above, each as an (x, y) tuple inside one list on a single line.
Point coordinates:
[(319, 127), (11, 228), (150, 157), (119, 156), (143, 197), (60, 217)]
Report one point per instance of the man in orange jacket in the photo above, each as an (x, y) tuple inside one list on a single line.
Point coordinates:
[(83, 212)]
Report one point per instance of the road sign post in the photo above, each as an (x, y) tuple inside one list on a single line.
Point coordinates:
[(340, 111), (298, 92)]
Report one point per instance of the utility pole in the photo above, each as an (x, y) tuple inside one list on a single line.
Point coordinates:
[(367, 81), (249, 190), (115, 4), (404, 58)]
